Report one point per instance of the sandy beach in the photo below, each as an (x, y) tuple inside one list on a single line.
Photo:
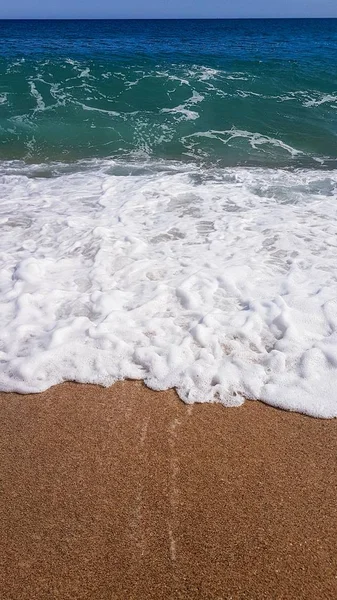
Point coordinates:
[(126, 493)]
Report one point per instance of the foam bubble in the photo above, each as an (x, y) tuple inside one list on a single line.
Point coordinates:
[(220, 283)]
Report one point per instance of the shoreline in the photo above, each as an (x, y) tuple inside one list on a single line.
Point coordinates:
[(124, 492)]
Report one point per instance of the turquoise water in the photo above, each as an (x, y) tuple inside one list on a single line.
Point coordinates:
[(260, 92)]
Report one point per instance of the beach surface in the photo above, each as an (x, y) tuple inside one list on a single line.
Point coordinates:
[(125, 493)]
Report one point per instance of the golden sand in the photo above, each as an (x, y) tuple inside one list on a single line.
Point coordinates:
[(128, 494)]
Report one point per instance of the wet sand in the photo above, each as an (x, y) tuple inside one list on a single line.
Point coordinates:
[(128, 494)]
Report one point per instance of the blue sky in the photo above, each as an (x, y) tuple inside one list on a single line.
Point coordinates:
[(166, 8)]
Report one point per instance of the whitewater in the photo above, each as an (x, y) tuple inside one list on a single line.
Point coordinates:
[(221, 283)]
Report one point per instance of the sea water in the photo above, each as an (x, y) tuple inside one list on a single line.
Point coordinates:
[(168, 196)]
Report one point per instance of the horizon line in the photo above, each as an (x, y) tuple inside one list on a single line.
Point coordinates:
[(293, 18)]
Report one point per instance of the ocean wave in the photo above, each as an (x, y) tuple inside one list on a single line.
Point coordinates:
[(218, 282), (82, 108)]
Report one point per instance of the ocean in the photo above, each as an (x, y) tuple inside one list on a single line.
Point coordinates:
[(168, 196)]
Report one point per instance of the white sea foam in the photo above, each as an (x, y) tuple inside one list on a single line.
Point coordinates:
[(40, 105), (85, 72), (222, 284), (184, 110), (255, 139), (111, 113), (3, 98), (323, 99), (307, 98)]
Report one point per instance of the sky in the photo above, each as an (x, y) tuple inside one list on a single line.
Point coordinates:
[(95, 9)]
